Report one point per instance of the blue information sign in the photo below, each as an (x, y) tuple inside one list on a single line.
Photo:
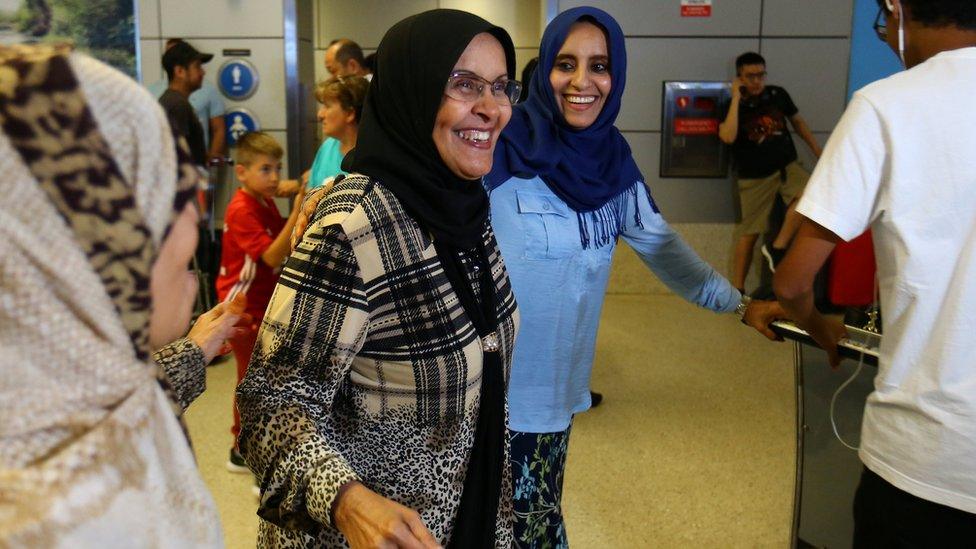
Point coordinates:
[(238, 79), (239, 121)]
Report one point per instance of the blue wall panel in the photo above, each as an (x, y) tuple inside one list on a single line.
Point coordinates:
[(871, 59)]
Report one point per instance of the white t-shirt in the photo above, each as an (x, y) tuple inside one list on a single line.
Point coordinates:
[(902, 162)]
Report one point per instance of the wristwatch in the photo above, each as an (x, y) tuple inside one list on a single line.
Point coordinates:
[(740, 309)]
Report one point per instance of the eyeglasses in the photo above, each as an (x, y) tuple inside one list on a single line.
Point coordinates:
[(468, 87), (881, 25), (754, 76)]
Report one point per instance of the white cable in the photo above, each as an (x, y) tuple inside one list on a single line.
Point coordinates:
[(860, 364), (833, 401)]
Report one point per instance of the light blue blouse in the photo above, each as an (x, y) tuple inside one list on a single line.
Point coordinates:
[(560, 288)]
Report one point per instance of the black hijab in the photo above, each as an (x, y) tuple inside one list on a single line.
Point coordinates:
[(396, 147), (395, 144)]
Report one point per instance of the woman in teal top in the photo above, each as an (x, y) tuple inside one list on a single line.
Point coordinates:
[(342, 104)]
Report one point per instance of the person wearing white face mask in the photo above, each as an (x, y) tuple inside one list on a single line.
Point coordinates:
[(901, 163)]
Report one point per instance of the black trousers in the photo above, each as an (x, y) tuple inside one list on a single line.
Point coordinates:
[(885, 516)]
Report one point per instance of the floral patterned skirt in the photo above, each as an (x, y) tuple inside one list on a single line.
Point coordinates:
[(538, 465)]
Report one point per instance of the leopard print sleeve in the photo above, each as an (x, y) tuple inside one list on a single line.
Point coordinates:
[(292, 403), (182, 363)]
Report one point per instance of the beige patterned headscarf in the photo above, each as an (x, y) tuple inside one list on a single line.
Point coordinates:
[(90, 450)]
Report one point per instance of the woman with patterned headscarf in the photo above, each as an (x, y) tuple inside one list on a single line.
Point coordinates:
[(98, 229)]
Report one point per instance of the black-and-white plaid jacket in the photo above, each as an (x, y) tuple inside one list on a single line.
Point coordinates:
[(366, 368)]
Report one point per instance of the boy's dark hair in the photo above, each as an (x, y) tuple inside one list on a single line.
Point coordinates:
[(748, 58), (348, 50), (941, 13)]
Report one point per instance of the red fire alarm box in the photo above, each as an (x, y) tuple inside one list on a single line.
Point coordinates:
[(690, 116)]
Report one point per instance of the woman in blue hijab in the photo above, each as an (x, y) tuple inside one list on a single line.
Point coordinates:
[(564, 186)]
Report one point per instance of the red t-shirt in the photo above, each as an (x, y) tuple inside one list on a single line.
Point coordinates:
[(250, 226)]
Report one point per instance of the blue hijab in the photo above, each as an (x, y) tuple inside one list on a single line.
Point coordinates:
[(590, 169)]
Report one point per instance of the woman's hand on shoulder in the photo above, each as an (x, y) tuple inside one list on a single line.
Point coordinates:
[(308, 206), (369, 520)]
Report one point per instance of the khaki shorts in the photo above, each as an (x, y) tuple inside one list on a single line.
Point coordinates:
[(756, 196)]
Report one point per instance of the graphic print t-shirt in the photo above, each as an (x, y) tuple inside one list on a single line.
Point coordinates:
[(764, 146)]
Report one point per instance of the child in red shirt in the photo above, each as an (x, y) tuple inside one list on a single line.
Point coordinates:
[(254, 246)]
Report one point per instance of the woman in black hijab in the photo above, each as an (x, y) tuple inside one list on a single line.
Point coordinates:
[(374, 407)]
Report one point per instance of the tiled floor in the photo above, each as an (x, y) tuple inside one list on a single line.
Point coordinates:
[(692, 447)]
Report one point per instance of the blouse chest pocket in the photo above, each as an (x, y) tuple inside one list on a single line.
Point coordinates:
[(549, 226)]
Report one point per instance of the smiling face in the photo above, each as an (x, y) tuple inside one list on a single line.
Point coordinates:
[(465, 133), (580, 77)]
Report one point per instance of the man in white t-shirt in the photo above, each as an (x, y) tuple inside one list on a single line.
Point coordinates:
[(902, 162)]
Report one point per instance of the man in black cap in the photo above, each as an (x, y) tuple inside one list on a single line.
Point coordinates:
[(184, 68)]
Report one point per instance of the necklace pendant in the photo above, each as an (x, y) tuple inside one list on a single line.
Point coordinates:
[(490, 343)]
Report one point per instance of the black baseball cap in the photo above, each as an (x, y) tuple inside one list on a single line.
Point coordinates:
[(182, 54)]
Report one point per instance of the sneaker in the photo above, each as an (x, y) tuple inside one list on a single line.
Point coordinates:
[(773, 256), (236, 463)]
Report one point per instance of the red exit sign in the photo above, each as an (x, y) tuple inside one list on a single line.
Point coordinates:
[(696, 8)]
